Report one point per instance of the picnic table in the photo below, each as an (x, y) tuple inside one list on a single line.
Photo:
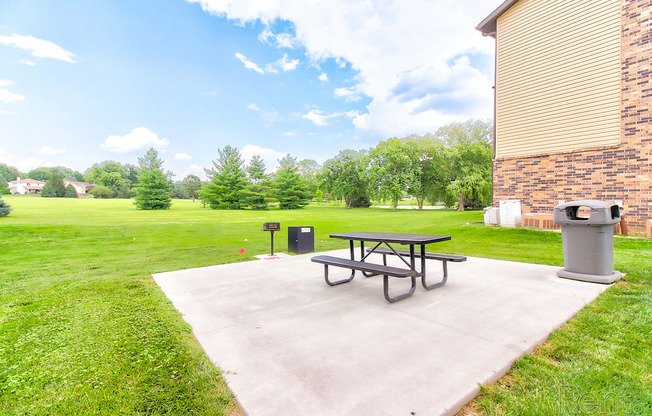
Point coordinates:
[(372, 269)]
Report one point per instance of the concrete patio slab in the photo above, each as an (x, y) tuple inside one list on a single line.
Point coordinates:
[(290, 344)]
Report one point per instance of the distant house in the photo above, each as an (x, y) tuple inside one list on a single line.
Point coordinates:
[(32, 186), (25, 186), (573, 102), (82, 188)]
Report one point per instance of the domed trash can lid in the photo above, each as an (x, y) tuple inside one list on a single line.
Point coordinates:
[(600, 213)]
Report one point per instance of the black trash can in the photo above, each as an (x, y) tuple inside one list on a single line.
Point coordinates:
[(301, 239), (588, 241)]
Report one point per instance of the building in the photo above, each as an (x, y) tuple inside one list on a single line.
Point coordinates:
[(82, 188), (32, 186), (25, 186), (572, 103)]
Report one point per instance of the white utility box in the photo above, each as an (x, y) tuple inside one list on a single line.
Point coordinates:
[(510, 213), (491, 216)]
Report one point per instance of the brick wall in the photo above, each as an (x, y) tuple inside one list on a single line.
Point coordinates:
[(622, 172)]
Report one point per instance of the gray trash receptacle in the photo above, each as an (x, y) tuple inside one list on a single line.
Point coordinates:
[(301, 239), (588, 242)]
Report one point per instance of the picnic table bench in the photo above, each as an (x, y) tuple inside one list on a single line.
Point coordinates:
[(444, 258), (373, 269)]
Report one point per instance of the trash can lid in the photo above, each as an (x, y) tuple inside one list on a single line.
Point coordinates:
[(602, 213), (589, 203)]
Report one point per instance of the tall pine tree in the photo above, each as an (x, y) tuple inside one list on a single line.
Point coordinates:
[(257, 187), (288, 185), (227, 181), (153, 190)]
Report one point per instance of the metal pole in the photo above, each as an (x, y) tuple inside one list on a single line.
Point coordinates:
[(272, 243)]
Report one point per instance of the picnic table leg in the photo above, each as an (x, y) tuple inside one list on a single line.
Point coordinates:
[(399, 297), (338, 282), (423, 260), (436, 285), (412, 259)]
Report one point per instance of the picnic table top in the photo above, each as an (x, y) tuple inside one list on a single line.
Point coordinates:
[(392, 237)]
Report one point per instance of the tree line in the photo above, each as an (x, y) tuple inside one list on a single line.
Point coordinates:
[(452, 166)]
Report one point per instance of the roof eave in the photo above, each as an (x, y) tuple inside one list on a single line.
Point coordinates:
[(488, 25)]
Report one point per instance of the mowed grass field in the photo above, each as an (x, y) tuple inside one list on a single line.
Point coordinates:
[(84, 329)]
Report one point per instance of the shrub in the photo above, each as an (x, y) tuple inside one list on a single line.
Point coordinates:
[(360, 202), (5, 208), (101, 191)]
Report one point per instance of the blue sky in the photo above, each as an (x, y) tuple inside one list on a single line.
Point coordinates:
[(87, 81)]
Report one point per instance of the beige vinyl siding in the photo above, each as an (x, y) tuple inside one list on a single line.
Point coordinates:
[(557, 76)]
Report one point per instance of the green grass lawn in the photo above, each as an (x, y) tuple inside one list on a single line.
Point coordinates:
[(85, 330)]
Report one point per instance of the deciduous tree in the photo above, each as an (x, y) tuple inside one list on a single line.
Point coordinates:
[(468, 157), (344, 176), (427, 164), (391, 172), (9, 173), (191, 184), (115, 176), (39, 174), (309, 171)]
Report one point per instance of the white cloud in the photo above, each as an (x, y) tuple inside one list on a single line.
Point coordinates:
[(48, 151), (290, 133), (323, 77), (197, 168), (182, 156), (349, 94), (10, 97), (316, 117), (269, 156), (283, 64), (40, 48), (387, 44), (321, 119), (24, 164), (280, 40), (138, 138), (253, 106), (5, 82), (26, 62), (248, 64), (287, 65)]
